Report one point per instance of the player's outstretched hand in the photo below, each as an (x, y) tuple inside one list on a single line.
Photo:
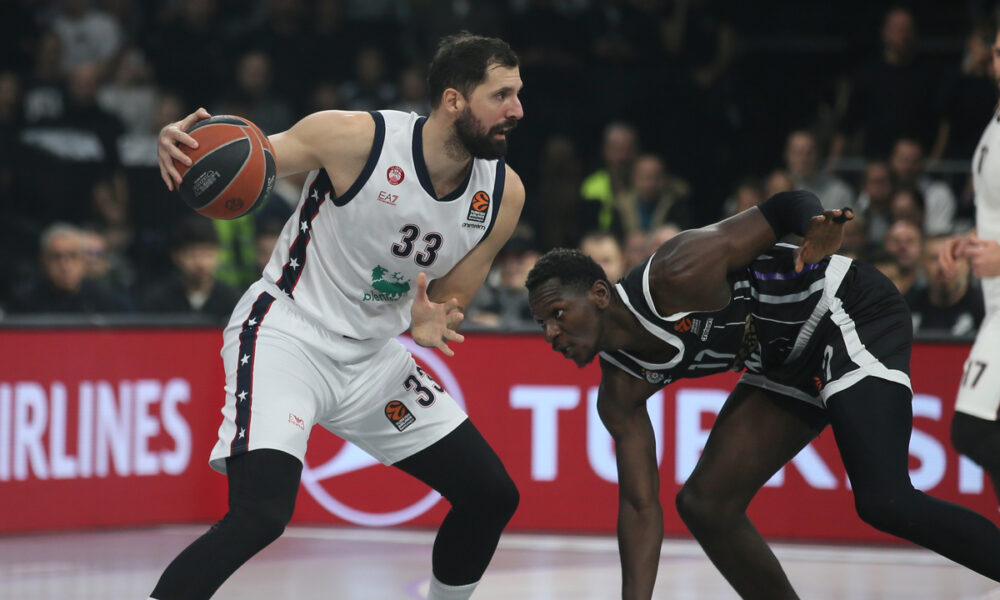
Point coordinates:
[(166, 148), (433, 324), (826, 233)]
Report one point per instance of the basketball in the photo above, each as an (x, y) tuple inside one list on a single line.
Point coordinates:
[(232, 168)]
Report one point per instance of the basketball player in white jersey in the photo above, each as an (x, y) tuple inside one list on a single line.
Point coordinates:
[(975, 431), (392, 201)]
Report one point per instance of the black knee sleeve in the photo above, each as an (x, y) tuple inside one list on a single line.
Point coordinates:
[(978, 439), (262, 489), (466, 471)]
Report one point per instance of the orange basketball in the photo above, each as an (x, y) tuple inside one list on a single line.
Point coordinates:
[(232, 168)]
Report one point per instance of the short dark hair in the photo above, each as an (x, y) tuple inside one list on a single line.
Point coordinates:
[(571, 267), (193, 230), (461, 60)]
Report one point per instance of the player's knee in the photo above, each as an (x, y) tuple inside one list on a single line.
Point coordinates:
[(500, 497), (260, 524), (890, 512), (694, 507)]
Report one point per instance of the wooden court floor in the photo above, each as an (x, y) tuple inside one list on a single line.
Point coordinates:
[(374, 564)]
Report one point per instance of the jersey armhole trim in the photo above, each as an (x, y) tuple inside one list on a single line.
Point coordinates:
[(373, 156), (498, 186)]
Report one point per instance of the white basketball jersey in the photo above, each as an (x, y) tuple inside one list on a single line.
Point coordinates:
[(986, 180), (350, 258)]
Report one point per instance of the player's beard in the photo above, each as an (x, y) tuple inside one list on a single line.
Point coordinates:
[(477, 140)]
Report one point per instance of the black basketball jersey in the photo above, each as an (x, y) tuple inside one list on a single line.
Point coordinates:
[(770, 326)]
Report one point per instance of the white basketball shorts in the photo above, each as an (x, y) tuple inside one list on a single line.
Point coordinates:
[(285, 373), (979, 389)]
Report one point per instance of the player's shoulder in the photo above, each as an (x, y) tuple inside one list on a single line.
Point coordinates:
[(513, 188), (338, 134)]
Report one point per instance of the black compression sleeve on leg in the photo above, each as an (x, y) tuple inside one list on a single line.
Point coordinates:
[(466, 471), (790, 212), (262, 488)]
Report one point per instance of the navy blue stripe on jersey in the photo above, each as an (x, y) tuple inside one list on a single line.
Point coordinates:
[(501, 176), (423, 176), (244, 373), (366, 172), (320, 190)]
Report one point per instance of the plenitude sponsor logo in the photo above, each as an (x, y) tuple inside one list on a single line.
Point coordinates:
[(51, 430)]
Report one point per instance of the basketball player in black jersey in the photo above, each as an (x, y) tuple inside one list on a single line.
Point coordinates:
[(822, 340)]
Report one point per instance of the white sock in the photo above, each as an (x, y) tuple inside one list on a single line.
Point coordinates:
[(441, 591)]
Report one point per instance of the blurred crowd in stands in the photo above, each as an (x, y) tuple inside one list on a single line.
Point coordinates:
[(643, 118)]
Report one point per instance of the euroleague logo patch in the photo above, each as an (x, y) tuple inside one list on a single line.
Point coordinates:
[(684, 325), (399, 415), (395, 175), (479, 207)]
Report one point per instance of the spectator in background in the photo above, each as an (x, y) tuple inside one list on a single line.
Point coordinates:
[(63, 285), (635, 249), (604, 248), (777, 181), (907, 166), (88, 35), (907, 204), (81, 146), (619, 149), (968, 97), (156, 209), (947, 302), (370, 89), (655, 197), (190, 34), (558, 217), (856, 242), (265, 238), (905, 242), (130, 95), (891, 97), (285, 40), (802, 160), (413, 91), (253, 97), (661, 234), (503, 304), (325, 96), (887, 264), (874, 201), (192, 287), (748, 193), (44, 93)]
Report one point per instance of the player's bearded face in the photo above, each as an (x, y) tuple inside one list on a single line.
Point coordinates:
[(480, 141)]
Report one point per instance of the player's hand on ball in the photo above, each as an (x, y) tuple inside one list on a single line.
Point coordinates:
[(826, 233), (167, 150), (433, 324)]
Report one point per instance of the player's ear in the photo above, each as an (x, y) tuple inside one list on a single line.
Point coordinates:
[(452, 100), (600, 294)]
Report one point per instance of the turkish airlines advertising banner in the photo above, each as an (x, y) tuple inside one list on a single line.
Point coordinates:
[(103, 428)]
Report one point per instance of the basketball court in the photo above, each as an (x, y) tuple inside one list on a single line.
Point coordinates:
[(374, 564)]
